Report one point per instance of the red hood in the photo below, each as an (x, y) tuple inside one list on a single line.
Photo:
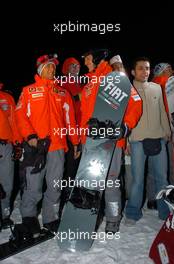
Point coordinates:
[(67, 63), (161, 80)]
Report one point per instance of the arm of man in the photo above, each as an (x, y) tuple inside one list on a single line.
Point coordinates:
[(164, 118), (69, 117), (22, 113)]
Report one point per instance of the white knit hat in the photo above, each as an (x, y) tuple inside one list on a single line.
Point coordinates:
[(115, 59), (159, 68), (44, 60)]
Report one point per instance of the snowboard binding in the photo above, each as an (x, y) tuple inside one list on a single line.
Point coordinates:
[(85, 199), (102, 129), (168, 195)]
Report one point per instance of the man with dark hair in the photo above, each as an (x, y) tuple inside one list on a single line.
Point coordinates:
[(148, 140), (138, 59), (97, 67), (113, 199), (71, 69), (112, 194)]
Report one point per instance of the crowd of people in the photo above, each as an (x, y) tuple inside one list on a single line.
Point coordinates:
[(29, 136)]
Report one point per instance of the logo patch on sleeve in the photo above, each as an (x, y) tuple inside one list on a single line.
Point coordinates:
[(4, 107), (32, 89), (58, 91), (136, 97), (36, 95), (40, 89)]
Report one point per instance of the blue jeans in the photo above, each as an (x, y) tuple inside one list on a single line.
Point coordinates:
[(159, 171)]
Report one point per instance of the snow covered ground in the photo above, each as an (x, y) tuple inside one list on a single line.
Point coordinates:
[(132, 247)]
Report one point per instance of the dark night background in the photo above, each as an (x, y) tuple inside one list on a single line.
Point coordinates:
[(27, 32)]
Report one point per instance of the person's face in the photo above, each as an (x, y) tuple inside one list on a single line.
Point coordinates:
[(168, 71), (74, 69), (141, 71), (48, 72), (89, 62), (117, 66)]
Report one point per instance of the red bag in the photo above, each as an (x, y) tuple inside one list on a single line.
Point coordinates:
[(162, 249)]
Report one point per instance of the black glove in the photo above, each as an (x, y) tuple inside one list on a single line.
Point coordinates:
[(94, 128), (107, 129), (124, 131), (101, 129), (39, 163), (28, 155), (17, 151), (3, 142), (170, 197), (2, 192), (40, 159), (93, 123)]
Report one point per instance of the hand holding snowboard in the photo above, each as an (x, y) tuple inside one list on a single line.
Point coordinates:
[(106, 129)]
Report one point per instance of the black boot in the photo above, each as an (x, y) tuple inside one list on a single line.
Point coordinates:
[(7, 223), (26, 231), (152, 205), (32, 224), (112, 227), (52, 226)]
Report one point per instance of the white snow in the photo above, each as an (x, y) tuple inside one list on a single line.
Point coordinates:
[(132, 247)]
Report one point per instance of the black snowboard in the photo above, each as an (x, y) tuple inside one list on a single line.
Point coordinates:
[(11, 248), (80, 213)]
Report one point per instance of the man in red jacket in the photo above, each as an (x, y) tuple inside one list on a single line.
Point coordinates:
[(9, 136), (70, 69), (132, 115), (45, 111)]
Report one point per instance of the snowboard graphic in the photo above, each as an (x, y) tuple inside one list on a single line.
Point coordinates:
[(81, 211)]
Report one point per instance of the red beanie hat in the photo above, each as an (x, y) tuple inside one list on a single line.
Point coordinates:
[(44, 60)]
